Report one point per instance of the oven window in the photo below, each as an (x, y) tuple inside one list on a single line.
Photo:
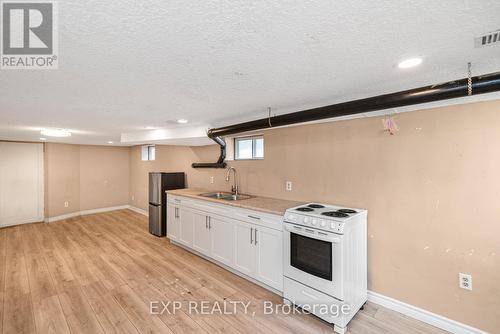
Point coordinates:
[(311, 255)]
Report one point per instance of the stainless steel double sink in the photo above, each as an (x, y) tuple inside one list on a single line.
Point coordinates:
[(227, 196)]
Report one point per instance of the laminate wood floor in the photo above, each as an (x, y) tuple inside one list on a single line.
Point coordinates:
[(100, 274)]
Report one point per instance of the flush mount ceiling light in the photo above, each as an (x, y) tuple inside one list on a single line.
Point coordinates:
[(411, 62), (110, 142), (182, 121), (55, 133)]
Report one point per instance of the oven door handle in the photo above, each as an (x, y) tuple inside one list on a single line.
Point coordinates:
[(301, 231)]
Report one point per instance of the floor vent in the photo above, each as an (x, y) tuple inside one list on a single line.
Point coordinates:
[(488, 39)]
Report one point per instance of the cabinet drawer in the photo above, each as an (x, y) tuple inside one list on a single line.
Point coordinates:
[(172, 199), (222, 210), (302, 295), (259, 218)]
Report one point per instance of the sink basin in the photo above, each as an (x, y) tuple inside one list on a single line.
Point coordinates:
[(238, 197), (227, 196), (217, 195)]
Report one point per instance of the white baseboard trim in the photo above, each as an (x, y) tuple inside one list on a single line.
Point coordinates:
[(62, 217), (100, 210), (136, 209), (85, 212), (430, 318)]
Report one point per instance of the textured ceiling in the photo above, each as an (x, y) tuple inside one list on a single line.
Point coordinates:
[(125, 65)]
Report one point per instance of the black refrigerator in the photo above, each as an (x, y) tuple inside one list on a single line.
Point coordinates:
[(158, 184)]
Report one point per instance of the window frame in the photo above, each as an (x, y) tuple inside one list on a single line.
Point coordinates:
[(151, 156), (253, 139)]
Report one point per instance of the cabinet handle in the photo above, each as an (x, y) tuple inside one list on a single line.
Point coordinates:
[(255, 236), (251, 235), (253, 217), (175, 213), (206, 222), (209, 223)]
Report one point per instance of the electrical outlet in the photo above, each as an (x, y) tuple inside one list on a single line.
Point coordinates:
[(211, 179), (465, 281), (288, 185), (133, 198), (66, 204)]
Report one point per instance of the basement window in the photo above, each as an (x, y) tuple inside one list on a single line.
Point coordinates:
[(249, 148), (148, 152)]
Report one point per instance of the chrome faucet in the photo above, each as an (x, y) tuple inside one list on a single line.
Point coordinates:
[(234, 187)]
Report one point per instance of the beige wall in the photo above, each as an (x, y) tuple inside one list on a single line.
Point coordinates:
[(432, 191), (88, 177), (62, 183), (104, 176)]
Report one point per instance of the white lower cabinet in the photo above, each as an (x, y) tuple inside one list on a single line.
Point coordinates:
[(259, 253), (173, 222), (222, 247), (201, 233), (251, 249), (186, 217), (269, 257), (245, 252)]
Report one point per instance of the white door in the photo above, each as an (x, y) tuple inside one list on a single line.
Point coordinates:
[(21, 183), (173, 227), (201, 233), (222, 248), (269, 246), (186, 219), (245, 252)]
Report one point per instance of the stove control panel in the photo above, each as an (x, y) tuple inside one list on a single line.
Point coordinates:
[(323, 224)]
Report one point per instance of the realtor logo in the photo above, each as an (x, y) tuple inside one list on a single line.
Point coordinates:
[(29, 35)]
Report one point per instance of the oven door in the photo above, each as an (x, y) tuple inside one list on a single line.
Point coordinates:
[(314, 258)]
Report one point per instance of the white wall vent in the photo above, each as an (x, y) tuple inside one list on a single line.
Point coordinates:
[(488, 39)]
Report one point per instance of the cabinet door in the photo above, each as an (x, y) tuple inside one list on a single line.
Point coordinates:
[(222, 247), (269, 270), (172, 222), (201, 233), (244, 255), (186, 219)]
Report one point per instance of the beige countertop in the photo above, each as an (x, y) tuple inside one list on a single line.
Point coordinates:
[(264, 204)]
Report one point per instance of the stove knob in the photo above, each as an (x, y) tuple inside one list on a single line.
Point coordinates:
[(332, 226), (323, 223), (306, 220), (314, 222)]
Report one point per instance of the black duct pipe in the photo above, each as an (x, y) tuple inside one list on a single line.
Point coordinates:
[(220, 163), (480, 84)]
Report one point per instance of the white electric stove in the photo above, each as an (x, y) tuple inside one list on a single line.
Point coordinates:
[(325, 264)]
